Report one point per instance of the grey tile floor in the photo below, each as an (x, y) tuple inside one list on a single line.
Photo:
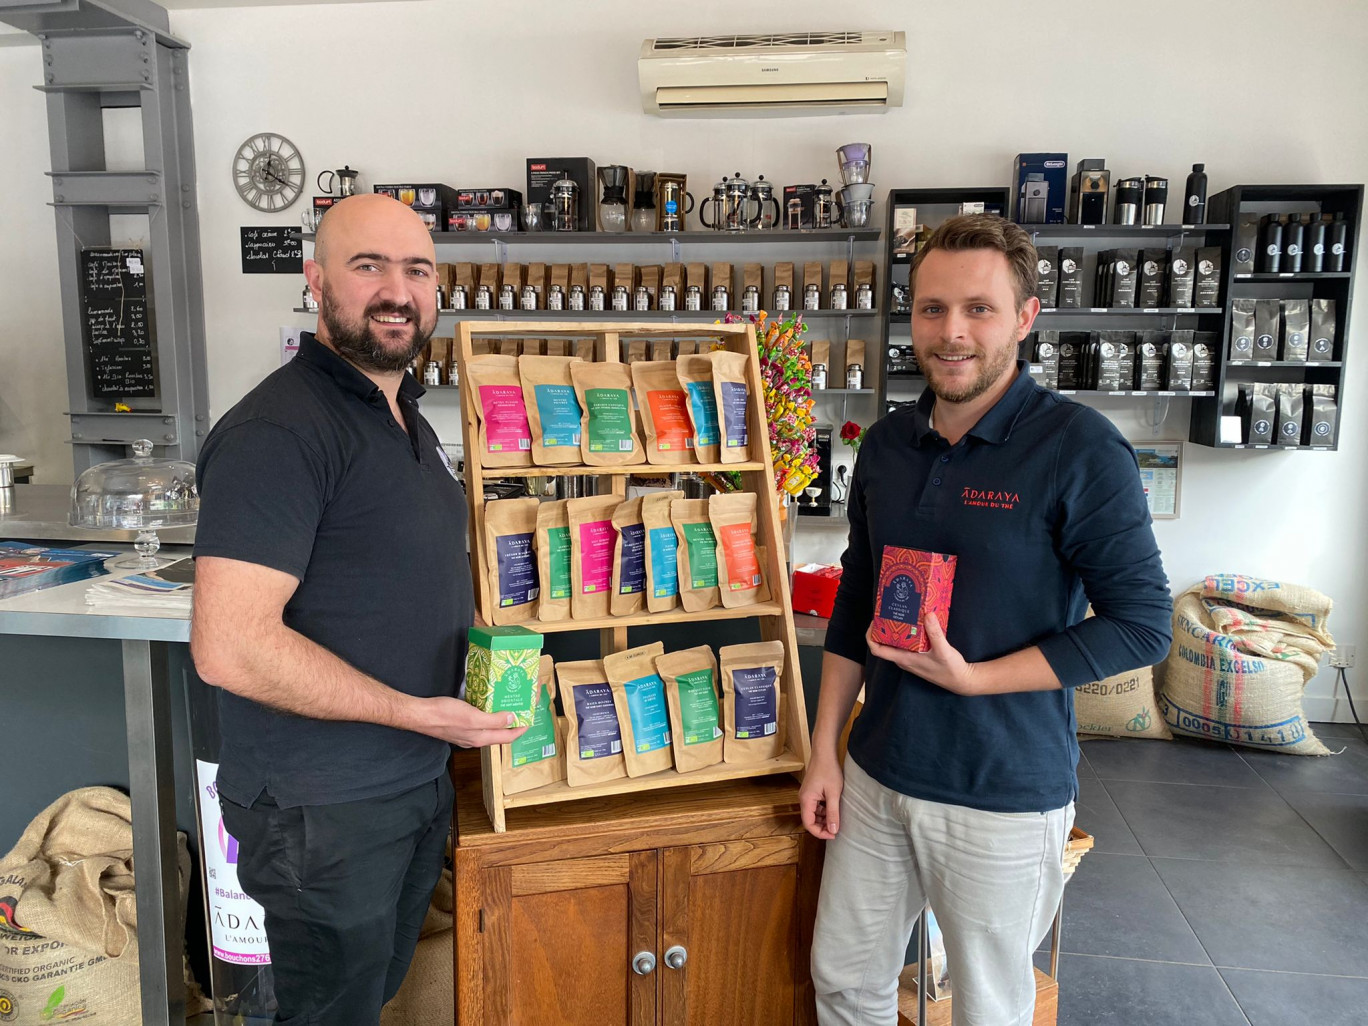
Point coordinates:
[(1227, 886)]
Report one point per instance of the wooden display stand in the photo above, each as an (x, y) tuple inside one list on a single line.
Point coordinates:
[(776, 616), (688, 906)]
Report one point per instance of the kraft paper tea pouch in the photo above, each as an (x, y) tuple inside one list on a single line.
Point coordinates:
[(644, 717), (553, 561), (690, 680), (593, 739), (740, 576), (510, 545), (608, 434), (629, 560), (664, 409), (538, 756), (695, 373), (697, 554), (501, 671), (592, 539), (553, 410), (753, 705), (505, 437), (733, 404), (662, 551)]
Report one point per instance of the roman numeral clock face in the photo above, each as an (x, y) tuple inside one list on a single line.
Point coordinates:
[(268, 171)]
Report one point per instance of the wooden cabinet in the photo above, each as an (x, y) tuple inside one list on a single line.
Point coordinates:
[(711, 891)]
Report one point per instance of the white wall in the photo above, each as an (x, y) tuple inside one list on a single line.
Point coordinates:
[(457, 93)]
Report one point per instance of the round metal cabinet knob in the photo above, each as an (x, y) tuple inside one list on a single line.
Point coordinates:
[(644, 964), (676, 957)]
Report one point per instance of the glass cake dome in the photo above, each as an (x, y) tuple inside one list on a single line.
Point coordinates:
[(140, 494)]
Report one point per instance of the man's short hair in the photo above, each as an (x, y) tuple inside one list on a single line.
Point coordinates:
[(985, 231)]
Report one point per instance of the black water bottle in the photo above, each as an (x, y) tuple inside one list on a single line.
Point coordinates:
[(1339, 242), (1272, 244), (1194, 203), (1292, 243), (1313, 246)]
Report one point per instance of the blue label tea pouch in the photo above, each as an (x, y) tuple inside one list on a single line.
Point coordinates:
[(639, 696), (695, 373), (538, 756), (662, 548), (593, 738), (553, 409), (753, 701), (690, 680), (510, 552), (629, 560), (733, 404)]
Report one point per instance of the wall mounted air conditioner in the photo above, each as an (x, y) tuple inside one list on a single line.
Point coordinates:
[(781, 75)]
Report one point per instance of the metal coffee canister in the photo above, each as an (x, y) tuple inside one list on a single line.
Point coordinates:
[(693, 298), (432, 373), (864, 296), (596, 297), (459, 299), (839, 299), (854, 376), (641, 298), (667, 297), (555, 298), (812, 297), (441, 297), (529, 297), (819, 375), (506, 298), (308, 300), (484, 299), (783, 300), (750, 300), (620, 297), (720, 299), (576, 297)]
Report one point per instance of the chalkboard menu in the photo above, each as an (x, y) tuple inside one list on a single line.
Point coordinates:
[(272, 249), (116, 328)]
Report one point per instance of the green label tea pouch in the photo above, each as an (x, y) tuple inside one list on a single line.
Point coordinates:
[(639, 696), (538, 756), (553, 561), (697, 554), (608, 435), (690, 680)]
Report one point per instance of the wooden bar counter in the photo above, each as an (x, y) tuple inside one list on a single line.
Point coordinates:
[(685, 906)]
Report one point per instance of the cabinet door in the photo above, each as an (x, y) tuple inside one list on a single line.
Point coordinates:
[(740, 910), (560, 937)]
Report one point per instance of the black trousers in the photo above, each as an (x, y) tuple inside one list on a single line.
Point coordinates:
[(345, 889)]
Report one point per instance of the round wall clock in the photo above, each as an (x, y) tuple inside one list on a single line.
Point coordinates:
[(268, 171)]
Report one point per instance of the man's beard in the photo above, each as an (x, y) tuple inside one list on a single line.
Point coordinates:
[(990, 372), (358, 343)]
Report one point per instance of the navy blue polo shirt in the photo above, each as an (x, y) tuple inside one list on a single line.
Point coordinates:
[(1041, 502), (310, 474)]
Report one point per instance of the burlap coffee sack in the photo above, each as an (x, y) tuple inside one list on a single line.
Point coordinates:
[(1243, 650), (1123, 705)]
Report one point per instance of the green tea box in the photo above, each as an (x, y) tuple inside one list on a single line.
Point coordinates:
[(501, 671)]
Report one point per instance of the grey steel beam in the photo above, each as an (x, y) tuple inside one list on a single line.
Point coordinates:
[(151, 780), (124, 429), (107, 189), (44, 16)]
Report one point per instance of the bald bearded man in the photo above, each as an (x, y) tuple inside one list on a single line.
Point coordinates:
[(332, 601)]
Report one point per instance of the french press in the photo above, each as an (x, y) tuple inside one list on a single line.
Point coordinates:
[(736, 209), (565, 204), (826, 210), (767, 219), (346, 181), (717, 205)]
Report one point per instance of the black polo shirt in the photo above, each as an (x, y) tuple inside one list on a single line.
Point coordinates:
[(310, 474), (1043, 506)]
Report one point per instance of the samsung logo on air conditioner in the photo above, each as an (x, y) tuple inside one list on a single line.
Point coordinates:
[(769, 69)]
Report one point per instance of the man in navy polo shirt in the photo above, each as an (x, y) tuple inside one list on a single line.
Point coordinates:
[(959, 783), (332, 600)]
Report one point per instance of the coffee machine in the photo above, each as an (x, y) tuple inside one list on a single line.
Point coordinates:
[(820, 506)]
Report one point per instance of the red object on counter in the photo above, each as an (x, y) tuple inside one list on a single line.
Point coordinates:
[(814, 589)]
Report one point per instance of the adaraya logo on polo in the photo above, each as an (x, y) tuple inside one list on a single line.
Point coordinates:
[(990, 498)]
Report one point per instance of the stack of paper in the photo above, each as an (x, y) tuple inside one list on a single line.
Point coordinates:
[(169, 589)]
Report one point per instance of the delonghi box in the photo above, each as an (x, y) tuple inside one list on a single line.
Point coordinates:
[(1040, 185)]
